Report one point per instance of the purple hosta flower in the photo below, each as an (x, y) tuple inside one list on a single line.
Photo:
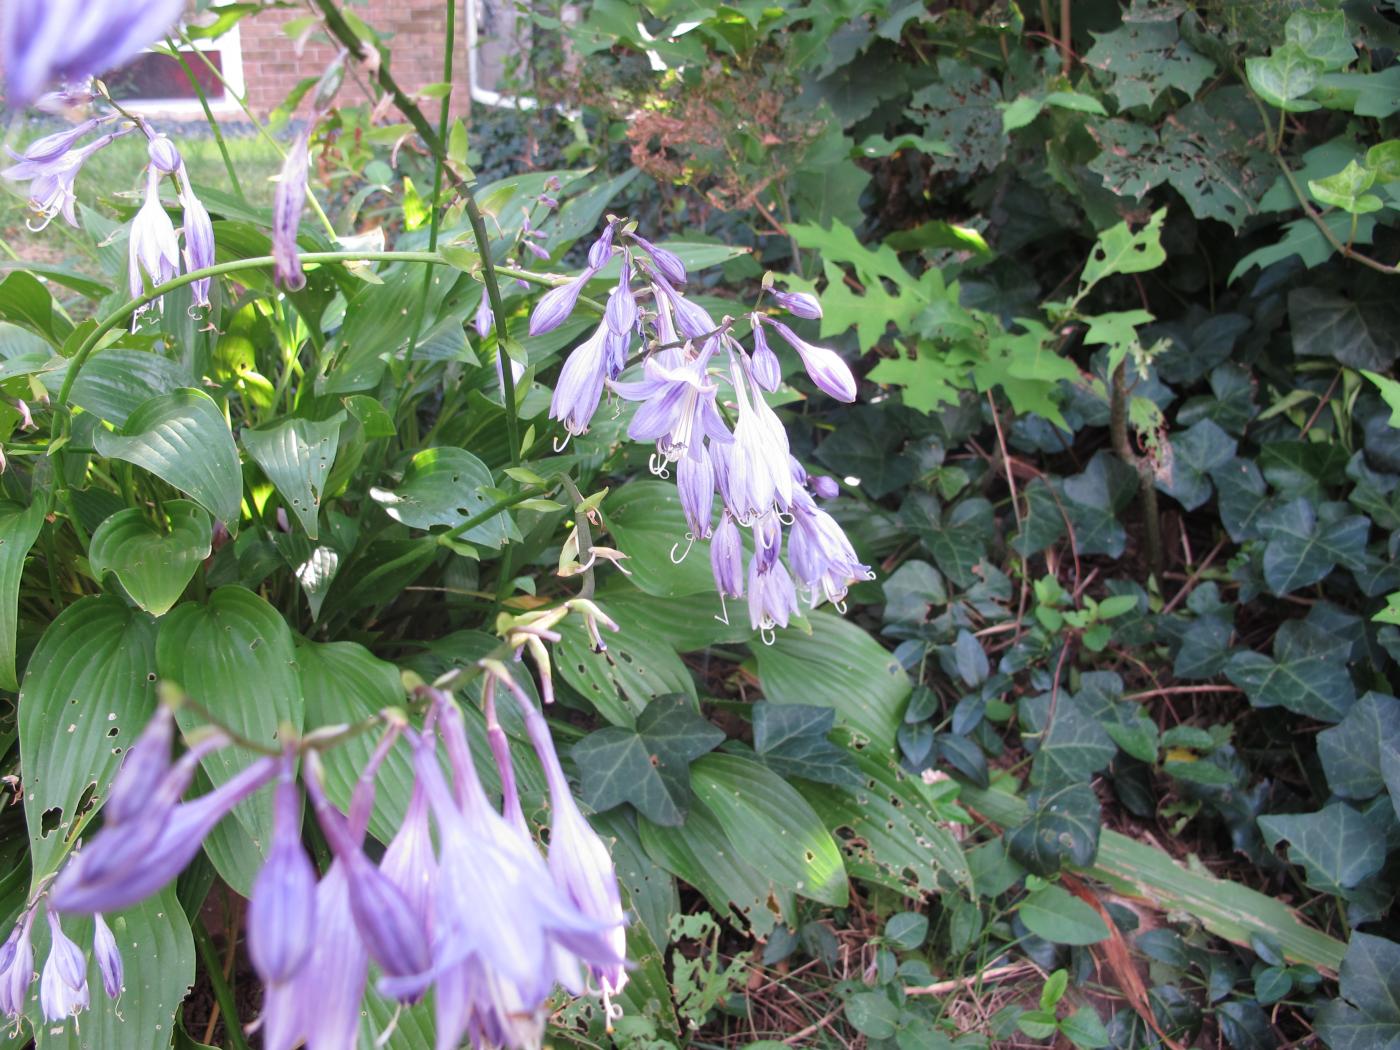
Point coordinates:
[(678, 409), (821, 555), (17, 967), (199, 239), (767, 370), (667, 262), (772, 597), (692, 320), (146, 763), (153, 248), (505, 766), (409, 862), (165, 158), (756, 477), (799, 304), (108, 957), (484, 321), (601, 250), (51, 179), (52, 147), (824, 487), (72, 40), (621, 310), (695, 482), (63, 987), (288, 199), (91, 881), (580, 384), (825, 367), (282, 908), (516, 371), (727, 558), (558, 303), (578, 860)]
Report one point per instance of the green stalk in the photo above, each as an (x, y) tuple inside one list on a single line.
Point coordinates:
[(223, 994), (209, 116), (123, 312), (341, 30), (490, 512)]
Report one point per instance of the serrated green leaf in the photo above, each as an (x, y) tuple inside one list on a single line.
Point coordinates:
[(1144, 59), (647, 766), (183, 439), (154, 565), (296, 455), (1121, 250)]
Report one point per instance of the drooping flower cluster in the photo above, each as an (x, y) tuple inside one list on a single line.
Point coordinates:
[(462, 901), (51, 164), (734, 445)]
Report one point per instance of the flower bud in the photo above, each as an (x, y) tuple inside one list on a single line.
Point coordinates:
[(800, 304), (282, 907), (727, 558), (767, 371), (165, 158), (824, 487), (108, 957)]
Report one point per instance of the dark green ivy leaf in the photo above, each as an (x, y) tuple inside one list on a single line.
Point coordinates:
[(1366, 1016), (1307, 674), (1062, 829), (1242, 495), (791, 739), (1203, 448), (649, 766), (1338, 847), (1305, 544), (1358, 333), (1351, 750)]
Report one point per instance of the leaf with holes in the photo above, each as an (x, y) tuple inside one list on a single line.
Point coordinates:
[(649, 766), (447, 486), (87, 694), (1144, 59), (772, 826), (1121, 250), (182, 438), (963, 107), (296, 455), (233, 654), (153, 564)]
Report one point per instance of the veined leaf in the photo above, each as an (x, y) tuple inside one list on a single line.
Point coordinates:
[(154, 565), (19, 528), (296, 455), (446, 486)]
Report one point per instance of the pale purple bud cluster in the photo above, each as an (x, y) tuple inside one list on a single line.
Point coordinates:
[(72, 40), (678, 393)]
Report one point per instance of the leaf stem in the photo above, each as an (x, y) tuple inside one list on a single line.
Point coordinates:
[(505, 503), (223, 994)]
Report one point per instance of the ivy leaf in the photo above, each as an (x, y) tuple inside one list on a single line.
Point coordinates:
[(1303, 239), (1321, 35), (1305, 545), (1338, 847), (1284, 77), (1306, 675), (791, 739), (1347, 190), (1073, 748), (1358, 333), (1094, 499), (1351, 750), (1203, 448), (959, 542), (1063, 828), (1242, 496), (649, 766), (1145, 59), (1367, 1013)]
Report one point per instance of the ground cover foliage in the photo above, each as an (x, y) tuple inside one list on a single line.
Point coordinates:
[(1104, 755)]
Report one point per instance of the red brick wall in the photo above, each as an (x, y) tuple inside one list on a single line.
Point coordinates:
[(413, 29)]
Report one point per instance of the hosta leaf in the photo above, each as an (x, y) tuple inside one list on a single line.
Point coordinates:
[(153, 564), (699, 853), (792, 740), (158, 962), (772, 826), (1366, 1016), (446, 486), (19, 528), (115, 383), (182, 438), (647, 524), (839, 666), (647, 766), (1304, 546), (87, 694), (233, 655), (1338, 847), (296, 455)]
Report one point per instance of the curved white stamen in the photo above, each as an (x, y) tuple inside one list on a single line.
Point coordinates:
[(568, 434), (689, 543)]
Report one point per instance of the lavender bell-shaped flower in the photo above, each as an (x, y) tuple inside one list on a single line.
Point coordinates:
[(17, 967), (72, 40), (484, 321), (692, 320), (580, 384), (799, 304), (51, 178), (825, 367), (767, 370), (727, 558), (52, 147), (409, 862), (824, 487), (821, 554), (63, 987), (153, 248), (757, 477), (558, 303), (146, 763), (667, 262), (772, 596), (695, 483), (678, 409), (288, 199), (165, 158), (199, 239), (108, 957), (282, 908)]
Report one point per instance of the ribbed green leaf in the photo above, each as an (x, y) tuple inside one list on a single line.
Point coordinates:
[(88, 692), (182, 438), (19, 528), (296, 455), (446, 486), (115, 383), (153, 565), (233, 655)]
